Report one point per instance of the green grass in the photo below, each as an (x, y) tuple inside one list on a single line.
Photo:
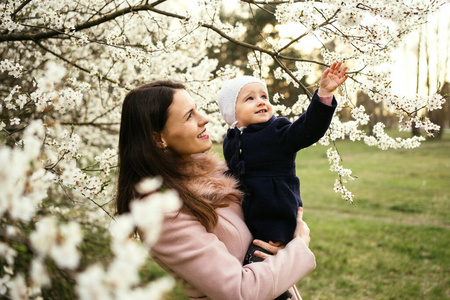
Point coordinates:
[(403, 185), (361, 258), (394, 242)]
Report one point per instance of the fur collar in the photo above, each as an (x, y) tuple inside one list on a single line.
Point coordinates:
[(204, 175)]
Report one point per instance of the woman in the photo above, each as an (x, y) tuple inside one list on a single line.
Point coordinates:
[(204, 243)]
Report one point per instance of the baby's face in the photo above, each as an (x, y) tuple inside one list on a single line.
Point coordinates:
[(252, 105)]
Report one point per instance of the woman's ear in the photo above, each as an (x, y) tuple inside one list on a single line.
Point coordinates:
[(159, 140)]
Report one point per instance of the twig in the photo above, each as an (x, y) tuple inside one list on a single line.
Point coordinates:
[(286, 69), (89, 123), (77, 66), (264, 2), (101, 207), (326, 22), (22, 5), (11, 137)]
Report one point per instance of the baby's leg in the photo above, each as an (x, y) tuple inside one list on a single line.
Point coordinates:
[(250, 257)]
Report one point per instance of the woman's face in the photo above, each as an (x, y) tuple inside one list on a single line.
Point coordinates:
[(185, 132)]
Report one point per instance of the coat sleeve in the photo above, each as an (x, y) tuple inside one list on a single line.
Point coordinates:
[(310, 126), (186, 250)]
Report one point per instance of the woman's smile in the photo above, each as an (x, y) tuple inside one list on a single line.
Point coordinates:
[(203, 135)]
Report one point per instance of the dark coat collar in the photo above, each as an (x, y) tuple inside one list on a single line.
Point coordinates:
[(259, 126)]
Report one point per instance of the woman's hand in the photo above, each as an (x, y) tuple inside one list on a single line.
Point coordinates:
[(331, 79), (302, 229), (270, 246)]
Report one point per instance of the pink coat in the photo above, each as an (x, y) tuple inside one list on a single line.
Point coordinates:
[(209, 264)]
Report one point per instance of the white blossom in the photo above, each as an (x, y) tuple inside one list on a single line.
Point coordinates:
[(148, 213), (107, 159), (18, 289), (70, 173), (43, 238), (301, 105), (122, 228), (38, 274), (122, 273), (58, 242), (7, 253), (15, 121), (435, 101), (153, 290), (4, 284), (14, 70), (64, 250), (90, 284), (70, 145), (69, 99), (54, 73), (12, 230), (344, 174)]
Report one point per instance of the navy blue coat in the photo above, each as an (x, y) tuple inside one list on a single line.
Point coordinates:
[(262, 157)]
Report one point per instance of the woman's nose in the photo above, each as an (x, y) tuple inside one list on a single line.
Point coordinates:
[(203, 120)]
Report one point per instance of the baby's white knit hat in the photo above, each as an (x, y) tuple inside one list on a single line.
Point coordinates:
[(228, 94)]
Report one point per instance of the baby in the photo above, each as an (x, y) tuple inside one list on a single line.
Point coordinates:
[(260, 151)]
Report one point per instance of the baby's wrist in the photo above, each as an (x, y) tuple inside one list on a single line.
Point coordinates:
[(328, 100), (324, 93)]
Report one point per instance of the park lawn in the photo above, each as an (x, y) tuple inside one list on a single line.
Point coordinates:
[(361, 258), (393, 243), (408, 185)]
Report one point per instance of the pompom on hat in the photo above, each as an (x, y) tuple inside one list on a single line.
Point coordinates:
[(228, 94)]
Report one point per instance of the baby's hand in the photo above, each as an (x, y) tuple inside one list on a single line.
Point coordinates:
[(331, 79)]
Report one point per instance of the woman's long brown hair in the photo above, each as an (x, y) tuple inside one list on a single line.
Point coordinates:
[(144, 115)]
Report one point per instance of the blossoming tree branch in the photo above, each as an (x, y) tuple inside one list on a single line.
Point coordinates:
[(65, 67)]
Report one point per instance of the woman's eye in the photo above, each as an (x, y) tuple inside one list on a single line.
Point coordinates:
[(189, 116), (264, 97), (249, 98)]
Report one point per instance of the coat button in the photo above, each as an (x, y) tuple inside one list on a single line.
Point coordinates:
[(242, 132), (240, 151)]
